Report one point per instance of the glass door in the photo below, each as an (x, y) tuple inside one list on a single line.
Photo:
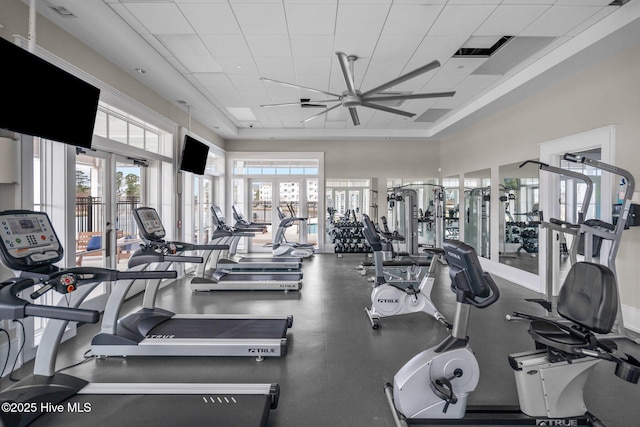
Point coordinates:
[(261, 210), (289, 202), (108, 187), (294, 199), (123, 236)]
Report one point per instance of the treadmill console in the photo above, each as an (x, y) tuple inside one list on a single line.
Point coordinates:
[(149, 224), (28, 240), (218, 216)]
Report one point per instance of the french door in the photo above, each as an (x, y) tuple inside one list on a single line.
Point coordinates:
[(108, 187), (295, 197)]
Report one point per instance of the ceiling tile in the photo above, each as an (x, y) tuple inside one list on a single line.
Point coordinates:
[(361, 19), (268, 44), (237, 65), (314, 81), (602, 13), (160, 18), (303, 45), (439, 48), (214, 18), (213, 79), (510, 20), (281, 93), (410, 19), (458, 19), (452, 72), (396, 48), (359, 45), (225, 44), (270, 66), (315, 65), (583, 2), (261, 18), (156, 44), (328, 124), (246, 80), (191, 52), (311, 18), (428, 2), (227, 96), (558, 20)]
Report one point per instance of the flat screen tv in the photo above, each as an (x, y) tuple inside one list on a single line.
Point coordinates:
[(194, 156), (47, 101)]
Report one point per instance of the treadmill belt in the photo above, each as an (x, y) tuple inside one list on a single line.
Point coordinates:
[(222, 328), (160, 410)]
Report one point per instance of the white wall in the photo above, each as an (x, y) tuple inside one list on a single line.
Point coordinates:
[(361, 159), (605, 94)]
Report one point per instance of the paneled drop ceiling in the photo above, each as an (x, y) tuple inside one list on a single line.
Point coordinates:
[(212, 54)]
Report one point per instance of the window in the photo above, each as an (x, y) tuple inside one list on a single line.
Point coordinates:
[(119, 126)]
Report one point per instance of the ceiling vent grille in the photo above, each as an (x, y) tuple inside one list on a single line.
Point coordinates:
[(481, 52), (432, 115), (62, 11), (304, 103)]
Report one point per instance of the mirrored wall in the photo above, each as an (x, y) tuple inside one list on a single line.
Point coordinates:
[(519, 221), (477, 206), (451, 186)]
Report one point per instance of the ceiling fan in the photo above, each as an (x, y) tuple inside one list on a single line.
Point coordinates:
[(352, 97)]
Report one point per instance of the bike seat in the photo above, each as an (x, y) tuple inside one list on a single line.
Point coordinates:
[(550, 334)]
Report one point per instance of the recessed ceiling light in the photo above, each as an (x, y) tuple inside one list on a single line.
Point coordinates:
[(238, 67), (141, 70)]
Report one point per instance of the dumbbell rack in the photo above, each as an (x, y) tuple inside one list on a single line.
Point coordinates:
[(348, 237)]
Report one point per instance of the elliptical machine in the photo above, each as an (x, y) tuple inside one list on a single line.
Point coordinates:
[(436, 383), (393, 298)]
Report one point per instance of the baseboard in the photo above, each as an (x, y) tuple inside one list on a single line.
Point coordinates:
[(631, 317)]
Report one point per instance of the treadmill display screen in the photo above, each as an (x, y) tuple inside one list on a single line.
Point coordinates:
[(150, 223), (24, 225), (217, 213), (27, 240)]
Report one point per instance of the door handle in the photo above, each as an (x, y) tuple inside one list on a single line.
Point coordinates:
[(107, 241)]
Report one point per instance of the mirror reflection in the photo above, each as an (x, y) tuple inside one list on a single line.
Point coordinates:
[(477, 207), (520, 219), (451, 213)]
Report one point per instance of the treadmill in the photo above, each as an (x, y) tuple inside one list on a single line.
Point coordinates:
[(250, 273), (30, 247), (153, 331), (232, 235)]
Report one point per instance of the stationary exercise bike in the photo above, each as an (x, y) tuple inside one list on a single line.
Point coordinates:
[(393, 298), (436, 383)]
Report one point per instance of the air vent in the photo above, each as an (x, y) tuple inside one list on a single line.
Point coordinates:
[(432, 115), (517, 50), (481, 52), (62, 11), (618, 2), (304, 103)]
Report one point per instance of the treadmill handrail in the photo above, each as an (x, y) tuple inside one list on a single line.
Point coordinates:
[(14, 307)]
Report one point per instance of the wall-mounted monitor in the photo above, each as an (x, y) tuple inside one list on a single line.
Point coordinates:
[(194, 156), (46, 101)]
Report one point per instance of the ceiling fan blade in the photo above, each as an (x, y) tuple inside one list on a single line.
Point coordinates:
[(415, 73), (299, 103), (310, 89), (346, 72), (387, 109), (354, 116), (410, 96), (320, 113)]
